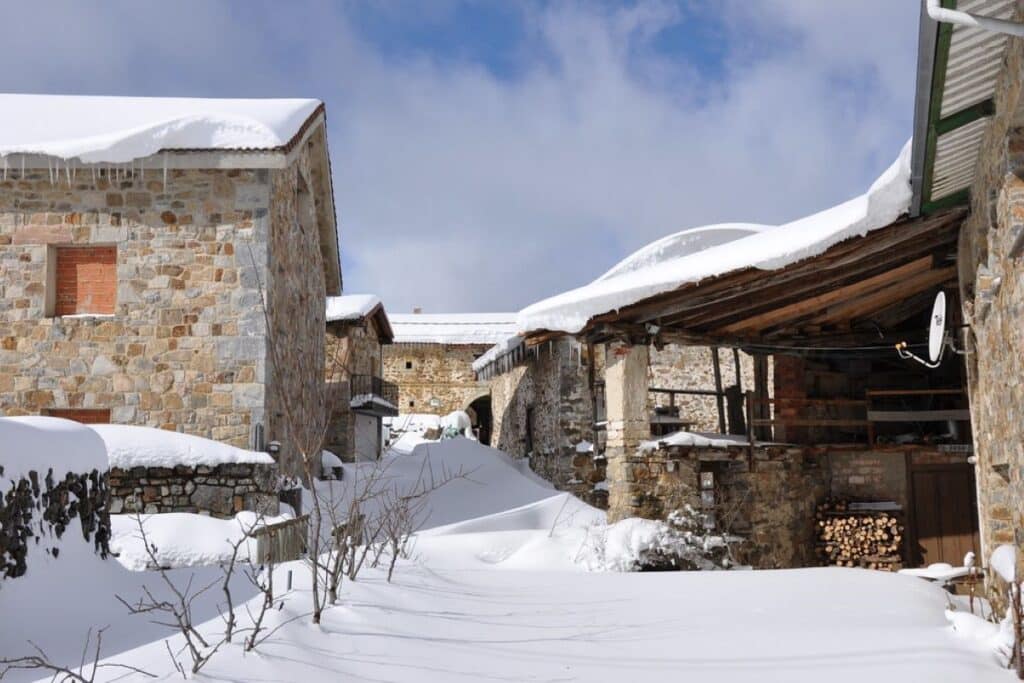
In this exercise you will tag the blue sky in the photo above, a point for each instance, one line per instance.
(490, 153)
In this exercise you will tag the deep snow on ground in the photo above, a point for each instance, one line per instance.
(497, 587)
(480, 625)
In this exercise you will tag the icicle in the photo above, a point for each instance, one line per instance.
(49, 168)
(93, 175)
(22, 166)
(5, 168)
(67, 171)
(165, 171)
(142, 166)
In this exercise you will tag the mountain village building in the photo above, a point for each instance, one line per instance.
(358, 398)
(165, 262)
(431, 361)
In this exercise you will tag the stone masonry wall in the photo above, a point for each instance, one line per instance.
(219, 491)
(691, 367)
(296, 303)
(991, 264)
(770, 502)
(549, 396)
(434, 371)
(184, 347)
(556, 385)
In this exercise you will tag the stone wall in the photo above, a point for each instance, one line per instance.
(691, 367)
(553, 386)
(296, 307)
(184, 347)
(991, 264)
(770, 501)
(219, 491)
(434, 378)
(543, 409)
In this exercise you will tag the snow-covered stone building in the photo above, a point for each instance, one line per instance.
(358, 397)
(431, 361)
(139, 238)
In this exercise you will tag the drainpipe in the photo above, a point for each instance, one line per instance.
(952, 16)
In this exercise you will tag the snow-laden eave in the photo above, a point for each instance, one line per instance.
(153, 145)
(572, 312)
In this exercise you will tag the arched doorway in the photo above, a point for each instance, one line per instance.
(480, 413)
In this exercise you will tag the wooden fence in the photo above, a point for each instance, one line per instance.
(281, 541)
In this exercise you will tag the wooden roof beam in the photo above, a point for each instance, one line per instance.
(884, 298)
(822, 301)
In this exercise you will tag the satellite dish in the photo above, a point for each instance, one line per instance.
(937, 339)
(937, 330)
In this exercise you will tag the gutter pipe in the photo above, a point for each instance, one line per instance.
(952, 16)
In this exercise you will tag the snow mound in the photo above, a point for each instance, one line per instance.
(121, 129)
(41, 443)
(184, 539)
(1004, 562)
(351, 306)
(886, 200)
(458, 422)
(694, 439)
(132, 446)
(683, 243)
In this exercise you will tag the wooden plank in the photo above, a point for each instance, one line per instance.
(808, 422)
(881, 298)
(820, 401)
(913, 392)
(821, 301)
(919, 415)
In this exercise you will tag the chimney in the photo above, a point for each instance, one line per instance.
(417, 310)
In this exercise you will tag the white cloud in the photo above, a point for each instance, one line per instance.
(461, 190)
(492, 193)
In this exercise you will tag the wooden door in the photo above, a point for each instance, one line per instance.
(945, 514)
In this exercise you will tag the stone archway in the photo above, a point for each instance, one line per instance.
(479, 411)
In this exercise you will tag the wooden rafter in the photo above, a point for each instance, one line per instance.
(824, 300)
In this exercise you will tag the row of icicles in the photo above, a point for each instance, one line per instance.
(115, 172)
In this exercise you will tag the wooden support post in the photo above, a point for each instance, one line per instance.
(720, 397)
(750, 430)
(736, 365)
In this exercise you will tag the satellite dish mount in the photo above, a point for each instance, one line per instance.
(938, 337)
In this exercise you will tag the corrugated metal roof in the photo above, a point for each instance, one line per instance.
(972, 66)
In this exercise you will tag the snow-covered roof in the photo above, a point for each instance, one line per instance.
(132, 446)
(355, 307)
(95, 129)
(453, 328)
(351, 306)
(658, 271)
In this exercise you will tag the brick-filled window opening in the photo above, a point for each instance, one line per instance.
(87, 416)
(83, 280)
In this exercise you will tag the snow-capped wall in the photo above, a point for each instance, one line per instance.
(53, 493)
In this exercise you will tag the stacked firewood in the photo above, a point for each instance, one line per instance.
(858, 538)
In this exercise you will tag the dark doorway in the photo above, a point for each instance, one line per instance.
(945, 514)
(480, 411)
